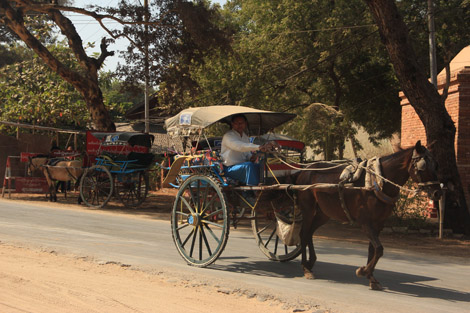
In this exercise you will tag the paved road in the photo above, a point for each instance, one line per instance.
(413, 282)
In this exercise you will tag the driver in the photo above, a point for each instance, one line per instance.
(236, 153)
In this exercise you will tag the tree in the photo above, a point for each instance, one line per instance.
(175, 21)
(188, 31)
(117, 96)
(86, 79)
(423, 96)
(32, 93)
(289, 54)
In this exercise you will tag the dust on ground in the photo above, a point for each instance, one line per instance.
(44, 281)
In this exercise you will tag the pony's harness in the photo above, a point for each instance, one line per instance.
(373, 181)
(52, 162)
(420, 162)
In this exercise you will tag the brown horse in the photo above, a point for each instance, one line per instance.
(56, 169)
(367, 207)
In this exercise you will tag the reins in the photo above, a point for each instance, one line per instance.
(304, 165)
(279, 156)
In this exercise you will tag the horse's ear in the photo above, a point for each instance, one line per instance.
(419, 148)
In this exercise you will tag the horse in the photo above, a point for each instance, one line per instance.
(367, 207)
(56, 169)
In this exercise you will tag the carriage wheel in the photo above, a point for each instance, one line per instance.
(264, 225)
(96, 186)
(132, 189)
(200, 221)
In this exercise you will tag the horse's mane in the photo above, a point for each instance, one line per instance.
(396, 155)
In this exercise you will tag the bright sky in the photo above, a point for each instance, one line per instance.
(91, 31)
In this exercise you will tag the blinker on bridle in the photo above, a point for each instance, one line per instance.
(420, 163)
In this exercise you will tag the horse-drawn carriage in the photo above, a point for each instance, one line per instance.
(114, 163)
(207, 202)
(290, 204)
(120, 167)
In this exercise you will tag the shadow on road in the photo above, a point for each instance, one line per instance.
(393, 282)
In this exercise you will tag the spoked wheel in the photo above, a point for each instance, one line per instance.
(132, 188)
(264, 225)
(96, 186)
(199, 220)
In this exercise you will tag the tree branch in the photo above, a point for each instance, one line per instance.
(15, 22)
(104, 52)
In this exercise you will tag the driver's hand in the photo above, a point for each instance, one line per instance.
(269, 146)
(264, 148)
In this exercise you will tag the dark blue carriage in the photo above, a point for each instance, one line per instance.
(121, 162)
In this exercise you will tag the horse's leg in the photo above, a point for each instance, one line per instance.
(308, 206)
(317, 220)
(50, 182)
(76, 186)
(375, 253)
(307, 217)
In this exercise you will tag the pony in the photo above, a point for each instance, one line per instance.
(56, 169)
(367, 207)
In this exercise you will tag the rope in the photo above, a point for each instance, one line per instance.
(388, 180)
(401, 188)
(310, 169)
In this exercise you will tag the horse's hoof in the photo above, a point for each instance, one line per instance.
(309, 275)
(375, 286)
(360, 272)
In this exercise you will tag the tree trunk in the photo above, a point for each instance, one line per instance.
(86, 84)
(423, 96)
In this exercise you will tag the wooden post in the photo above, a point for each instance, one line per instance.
(442, 207)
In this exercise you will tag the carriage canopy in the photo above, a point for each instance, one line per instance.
(120, 138)
(259, 121)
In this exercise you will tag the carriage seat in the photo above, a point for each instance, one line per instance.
(139, 160)
(142, 159)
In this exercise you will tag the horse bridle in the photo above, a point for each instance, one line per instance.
(419, 163)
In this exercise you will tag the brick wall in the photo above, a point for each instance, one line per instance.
(458, 107)
(463, 135)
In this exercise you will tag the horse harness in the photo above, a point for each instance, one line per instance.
(373, 181)
(53, 162)
(420, 162)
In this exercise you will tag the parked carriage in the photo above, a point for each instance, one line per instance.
(121, 161)
(207, 202)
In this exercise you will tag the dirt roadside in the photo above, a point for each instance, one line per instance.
(33, 280)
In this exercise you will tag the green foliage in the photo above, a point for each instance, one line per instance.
(323, 128)
(31, 93)
(451, 18)
(117, 98)
(182, 32)
(289, 54)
